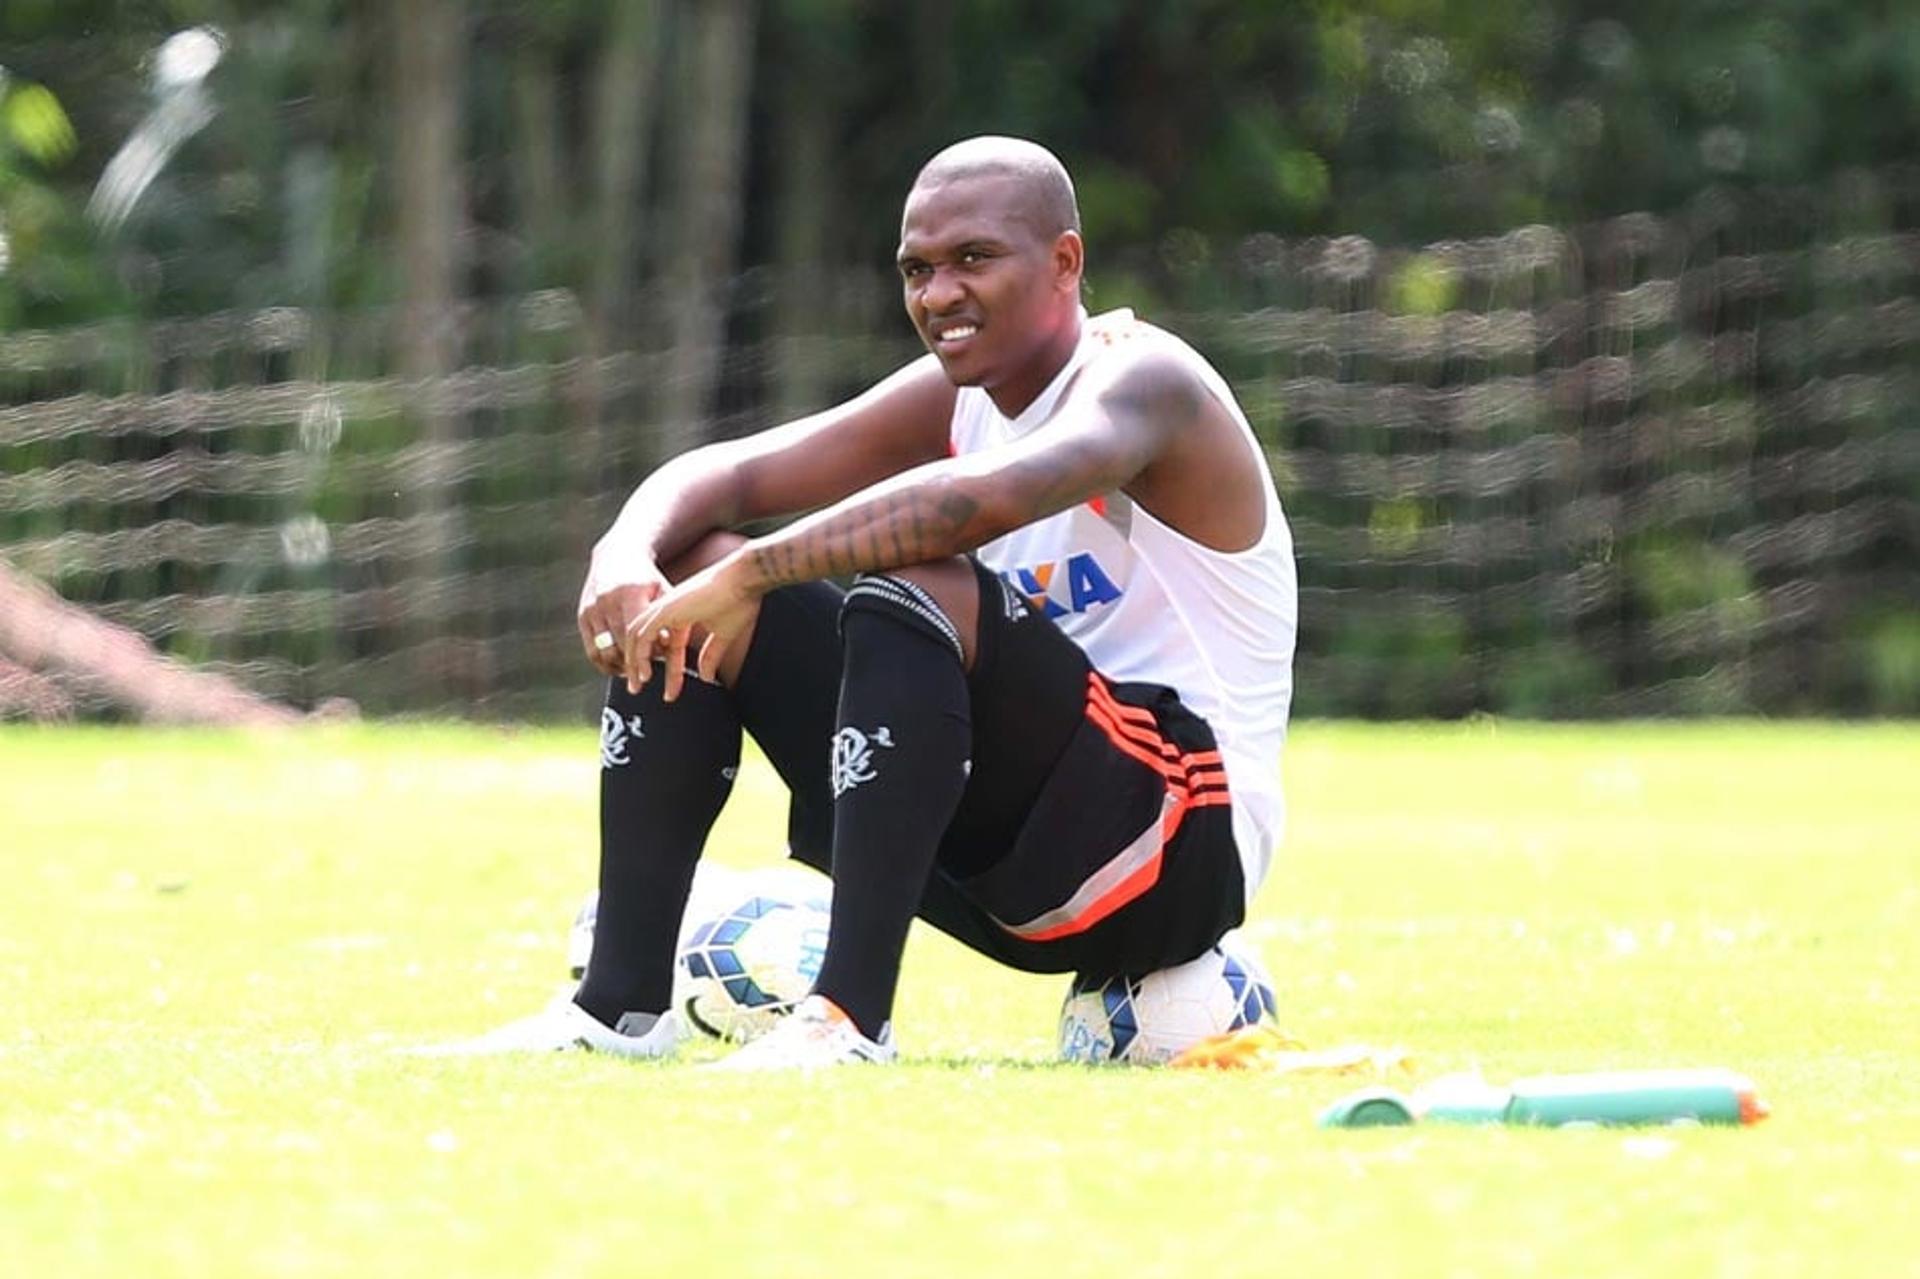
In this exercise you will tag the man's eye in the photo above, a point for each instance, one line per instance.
(915, 270)
(972, 257)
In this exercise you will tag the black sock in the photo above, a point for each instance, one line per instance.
(788, 696)
(665, 771)
(899, 765)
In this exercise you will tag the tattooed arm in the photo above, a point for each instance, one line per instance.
(1112, 431)
(899, 423)
(1108, 434)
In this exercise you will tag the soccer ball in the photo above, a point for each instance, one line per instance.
(1151, 1019)
(714, 886)
(749, 948)
(744, 967)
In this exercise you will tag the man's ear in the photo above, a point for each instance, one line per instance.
(1069, 261)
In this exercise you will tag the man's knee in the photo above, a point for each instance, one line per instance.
(705, 553)
(941, 597)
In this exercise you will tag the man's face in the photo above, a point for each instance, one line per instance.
(985, 290)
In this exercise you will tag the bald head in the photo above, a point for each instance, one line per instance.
(1036, 187)
(990, 266)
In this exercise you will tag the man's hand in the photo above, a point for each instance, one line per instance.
(718, 600)
(620, 585)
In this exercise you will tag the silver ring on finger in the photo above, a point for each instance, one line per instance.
(603, 640)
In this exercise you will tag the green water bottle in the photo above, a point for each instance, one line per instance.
(1621, 1098)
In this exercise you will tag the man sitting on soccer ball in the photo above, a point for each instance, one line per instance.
(1047, 714)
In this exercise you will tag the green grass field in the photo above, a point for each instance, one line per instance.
(211, 947)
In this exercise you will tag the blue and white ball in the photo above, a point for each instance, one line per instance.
(747, 965)
(715, 887)
(1150, 1019)
(749, 948)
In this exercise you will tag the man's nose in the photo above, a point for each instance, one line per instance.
(943, 291)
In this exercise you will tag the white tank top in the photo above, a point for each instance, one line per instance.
(1148, 603)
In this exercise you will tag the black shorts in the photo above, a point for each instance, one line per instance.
(1094, 834)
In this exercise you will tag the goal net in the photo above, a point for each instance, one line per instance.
(1652, 465)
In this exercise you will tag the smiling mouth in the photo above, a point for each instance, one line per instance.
(955, 334)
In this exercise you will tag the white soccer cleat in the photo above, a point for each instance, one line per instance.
(564, 1026)
(814, 1035)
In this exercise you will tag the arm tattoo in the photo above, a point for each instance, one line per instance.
(888, 530)
(932, 516)
(893, 527)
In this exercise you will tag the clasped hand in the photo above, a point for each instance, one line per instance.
(709, 611)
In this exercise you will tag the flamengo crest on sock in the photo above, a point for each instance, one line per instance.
(666, 769)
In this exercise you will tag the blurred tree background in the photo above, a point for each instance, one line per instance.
(1582, 336)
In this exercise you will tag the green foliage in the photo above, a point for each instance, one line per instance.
(1892, 652)
(1675, 577)
(32, 119)
(1403, 121)
(1551, 680)
(1117, 205)
(49, 267)
(1394, 525)
(1407, 666)
(1423, 285)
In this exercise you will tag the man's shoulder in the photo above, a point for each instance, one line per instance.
(1128, 351)
(1205, 452)
(1123, 331)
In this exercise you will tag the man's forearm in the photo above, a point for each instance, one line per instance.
(940, 509)
(680, 502)
(911, 520)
